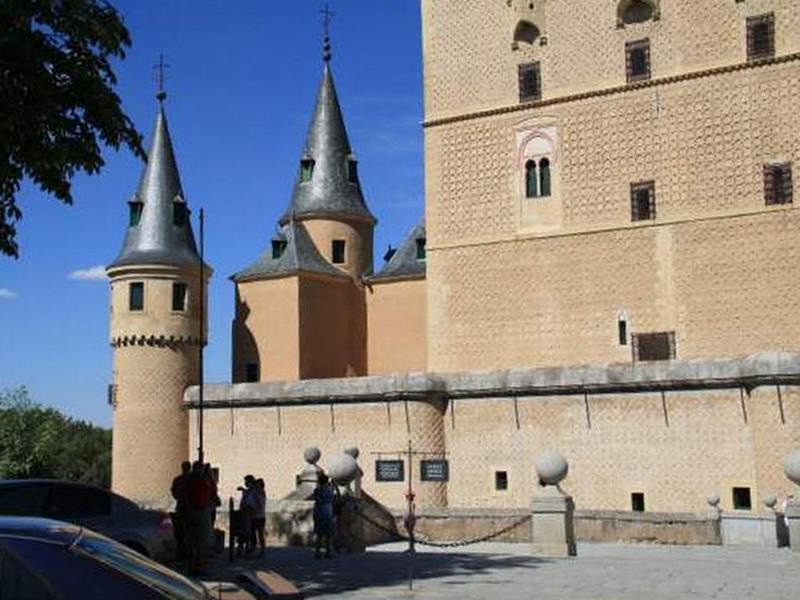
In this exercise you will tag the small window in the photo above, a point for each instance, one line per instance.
(653, 346)
(526, 32)
(180, 214)
(352, 170)
(500, 481)
(622, 332)
(638, 11)
(637, 61)
(778, 184)
(136, 296)
(252, 374)
(544, 177)
(278, 247)
(741, 498)
(421, 251)
(338, 252)
(530, 85)
(179, 296)
(637, 502)
(135, 213)
(68, 502)
(761, 37)
(306, 169)
(643, 201)
(531, 180)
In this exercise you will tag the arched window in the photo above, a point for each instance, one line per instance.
(531, 187)
(544, 178)
(526, 32)
(631, 12)
(306, 169)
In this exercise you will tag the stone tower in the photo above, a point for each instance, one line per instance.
(155, 329)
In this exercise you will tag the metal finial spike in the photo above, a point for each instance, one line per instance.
(327, 16)
(159, 68)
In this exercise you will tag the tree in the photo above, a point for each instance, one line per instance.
(57, 103)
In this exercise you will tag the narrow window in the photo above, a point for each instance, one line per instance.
(352, 170)
(278, 247)
(653, 346)
(306, 169)
(136, 296)
(761, 37)
(252, 374)
(526, 32)
(622, 332)
(637, 502)
(741, 498)
(778, 184)
(530, 85)
(531, 181)
(544, 177)
(421, 251)
(500, 480)
(135, 213)
(643, 201)
(179, 297)
(338, 252)
(637, 60)
(180, 214)
(638, 11)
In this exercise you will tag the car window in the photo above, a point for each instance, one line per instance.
(17, 582)
(134, 565)
(22, 500)
(74, 502)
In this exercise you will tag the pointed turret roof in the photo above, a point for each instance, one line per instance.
(405, 261)
(297, 253)
(155, 239)
(330, 191)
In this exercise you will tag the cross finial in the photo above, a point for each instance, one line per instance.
(159, 69)
(327, 16)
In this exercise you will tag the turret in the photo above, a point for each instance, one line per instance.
(156, 328)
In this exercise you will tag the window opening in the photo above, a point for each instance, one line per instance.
(500, 480)
(653, 346)
(136, 296)
(778, 184)
(352, 171)
(179, 296)
(643, 201)
(638, 11)
(526, 32)
(531, 181)
(544, 177)
(306, 169)
(278, 248)
(530, 86)
(637, 60)
(761, 37)
(741, 498)
(637, 502)
(135, 213)
(338, 252)
(252, 374)
(421, 249)
(622, 332)
(180, 214)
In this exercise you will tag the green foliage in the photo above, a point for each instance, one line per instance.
(41, 442)
(56, 98)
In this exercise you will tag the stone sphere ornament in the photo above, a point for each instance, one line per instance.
(352, 451)
(770, 500)
(551, 467)
(342, 469)
(312, 455)
(791, 466)
(713, 500)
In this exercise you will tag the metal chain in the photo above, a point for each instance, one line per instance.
(454, 544)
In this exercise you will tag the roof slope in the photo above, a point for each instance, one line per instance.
(404, 262)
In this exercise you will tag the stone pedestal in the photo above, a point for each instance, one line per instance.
(793, 519)
(552, 523)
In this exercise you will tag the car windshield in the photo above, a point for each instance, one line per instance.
(136, 566)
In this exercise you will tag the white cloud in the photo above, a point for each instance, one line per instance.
(97, 273)
(6, 294)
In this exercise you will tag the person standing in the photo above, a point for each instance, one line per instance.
(259, 504)
(323, 516)
(179, 487)
(198, 518)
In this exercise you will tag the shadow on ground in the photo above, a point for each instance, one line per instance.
(376, 569)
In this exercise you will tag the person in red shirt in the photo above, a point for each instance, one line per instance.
(199, 498)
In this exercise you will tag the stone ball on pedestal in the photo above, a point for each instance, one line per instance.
(551, 467)
(791, 466)
(312, 455)
(713, 500)
(352, 451)
(342, 469)
(770, 500)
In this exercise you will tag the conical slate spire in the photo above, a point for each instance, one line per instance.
(327, 184)
(161, 232)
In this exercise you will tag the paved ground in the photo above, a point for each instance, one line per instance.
(505, 572)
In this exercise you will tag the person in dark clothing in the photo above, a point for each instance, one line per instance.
(199, 500)
(323, 516)
(259, 507)
(179, 516)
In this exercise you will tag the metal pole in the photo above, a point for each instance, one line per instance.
(411, 519)
(200, 453)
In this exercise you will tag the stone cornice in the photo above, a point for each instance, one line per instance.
(124, 340)
(618, 89)
(767, 368)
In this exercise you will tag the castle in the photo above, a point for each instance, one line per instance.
(606, 267)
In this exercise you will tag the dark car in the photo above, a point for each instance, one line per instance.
(146, 531)
(42, 559)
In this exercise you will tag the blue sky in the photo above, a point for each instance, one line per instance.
(241, 87)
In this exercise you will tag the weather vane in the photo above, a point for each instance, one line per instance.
(327, 16)
(159, 69)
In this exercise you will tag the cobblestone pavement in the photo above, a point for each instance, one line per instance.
(506, 572)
